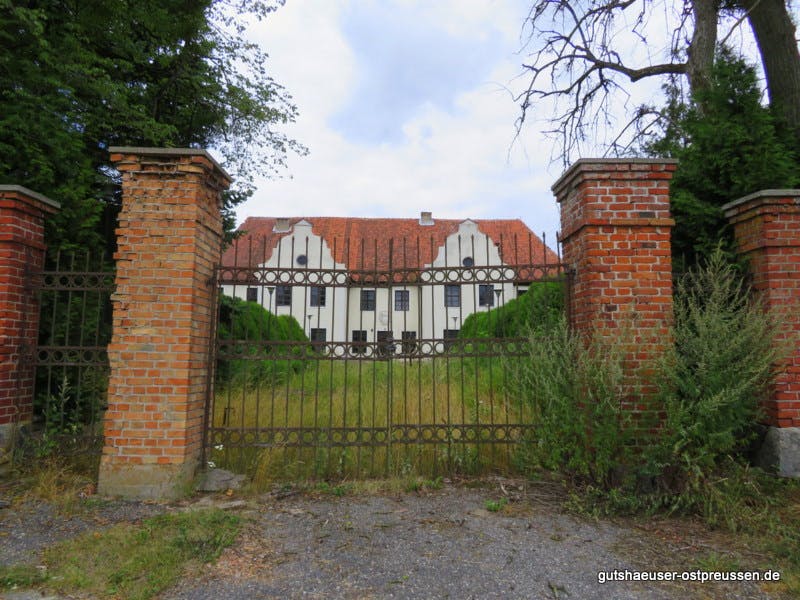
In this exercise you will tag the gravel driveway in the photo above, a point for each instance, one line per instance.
(439, 544)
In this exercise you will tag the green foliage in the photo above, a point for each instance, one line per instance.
(723, 362)
(495, 505)
(131, 561)
(20, 576)
(577, 394)
(540, 306)
(242, 322)
(728, 146)
(77, 78)
(711, 384)
(418, 484)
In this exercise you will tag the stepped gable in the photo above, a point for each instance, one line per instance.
(375, 243)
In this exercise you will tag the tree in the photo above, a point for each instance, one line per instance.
(583, 53)
(728, 149)
(77, 77)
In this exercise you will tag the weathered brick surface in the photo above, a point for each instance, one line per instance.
(767, 229)
(169, 236)
(615, 234)
(22, 214)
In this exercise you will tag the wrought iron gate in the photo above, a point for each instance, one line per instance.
(341, 393)
(71, 384)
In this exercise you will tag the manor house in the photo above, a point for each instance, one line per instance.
(361, 280)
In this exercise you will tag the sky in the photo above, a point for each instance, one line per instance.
(407, 106)
(404, 107)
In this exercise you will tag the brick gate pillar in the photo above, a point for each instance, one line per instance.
(767, 230)
(169, 237)
(22, 248)
(615, 235)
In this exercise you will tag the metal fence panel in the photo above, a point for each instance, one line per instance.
(372, 388)
(71, 360)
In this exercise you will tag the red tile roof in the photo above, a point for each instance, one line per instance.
(377, 243)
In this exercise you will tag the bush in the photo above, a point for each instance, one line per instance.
(541, 306)
(576, 391)
(711, 384)
(720, 369)
(248, 325)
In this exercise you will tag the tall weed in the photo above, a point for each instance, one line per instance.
(711, 383)
(720, 369)
(577, 393)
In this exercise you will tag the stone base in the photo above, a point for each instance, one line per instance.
(9, 434)
(7, 431)
(146, 482)
(12, 434)
(780, 451)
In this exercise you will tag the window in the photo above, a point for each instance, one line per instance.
(318, 334)
(452, 296)
(317, 295)
(486, 295)
(367, 299)
(252, 294)
(359, 341)
(283, 295)
(401, 299)
(409, 342)
(302, 260)
(468, 261)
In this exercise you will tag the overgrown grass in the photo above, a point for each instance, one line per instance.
(382, 397)
(129, 561)
(61, 480)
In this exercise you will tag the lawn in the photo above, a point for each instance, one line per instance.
(360, 418)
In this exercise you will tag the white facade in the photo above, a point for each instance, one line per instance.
(375, 313)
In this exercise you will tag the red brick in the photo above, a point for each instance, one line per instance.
(169, 228)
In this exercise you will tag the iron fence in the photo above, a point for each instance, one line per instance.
(413, 376)
(71, 383)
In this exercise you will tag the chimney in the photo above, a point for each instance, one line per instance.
(426, 218)
(281, 225)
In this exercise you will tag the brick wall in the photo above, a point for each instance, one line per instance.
(767, 230)
(615, 234)
(169, 237)
(22, 214)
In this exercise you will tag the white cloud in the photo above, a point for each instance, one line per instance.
(452, 160)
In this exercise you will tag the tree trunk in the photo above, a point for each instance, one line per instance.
(704, 42)
(775, 35)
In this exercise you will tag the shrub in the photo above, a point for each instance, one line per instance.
(721, 367)
(711, 384)
(242, 322)
(541, 306)
(576, 391)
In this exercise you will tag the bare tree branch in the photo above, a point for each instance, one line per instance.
(576, 61)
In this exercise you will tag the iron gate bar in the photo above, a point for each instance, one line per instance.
(283, 437)
(248, 275)
(260, 350)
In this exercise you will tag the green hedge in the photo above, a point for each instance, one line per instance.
(244, 322)
(540, 307)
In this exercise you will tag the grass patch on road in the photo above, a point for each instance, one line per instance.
(129, 561)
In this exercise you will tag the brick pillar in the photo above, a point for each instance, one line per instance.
(22, 214)
(169, 237)
(767, 230)
(615, 235)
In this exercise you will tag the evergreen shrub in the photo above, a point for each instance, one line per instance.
(711, 386)
(242, 322)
